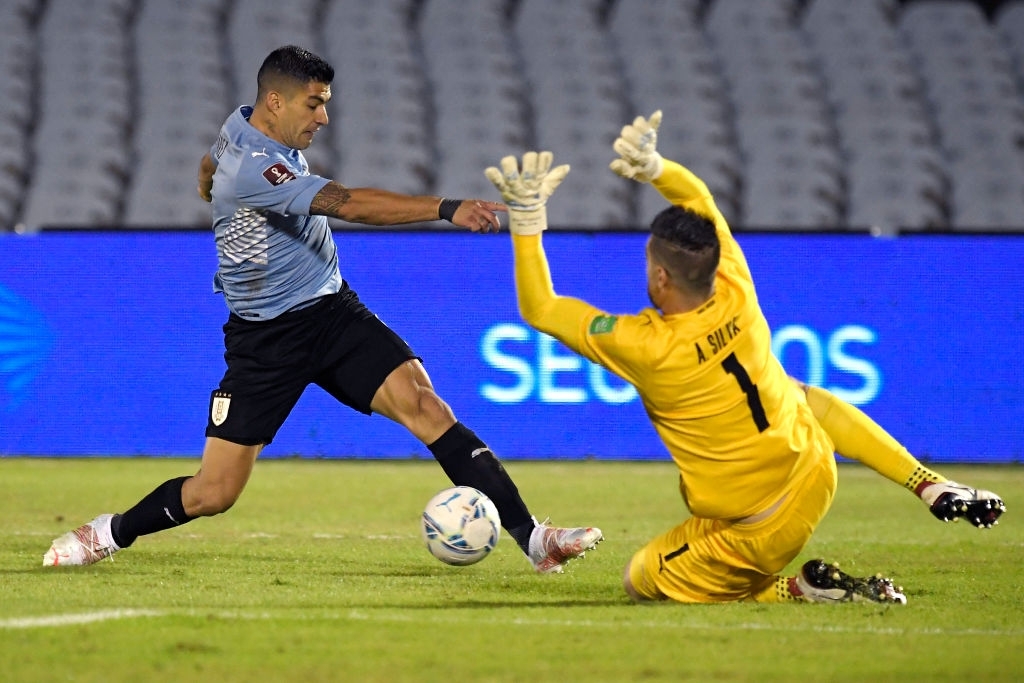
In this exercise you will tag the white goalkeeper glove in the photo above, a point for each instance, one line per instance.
(637, 148)
(527, 191)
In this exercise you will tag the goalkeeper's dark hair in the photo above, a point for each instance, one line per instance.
(686, 245)
(294, 65)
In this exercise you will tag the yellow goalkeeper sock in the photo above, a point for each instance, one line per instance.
(857, 436)
(780, 590)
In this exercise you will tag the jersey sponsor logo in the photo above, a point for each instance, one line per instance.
(260, 154)
(603, 324)
(219, 407)
(278, 174)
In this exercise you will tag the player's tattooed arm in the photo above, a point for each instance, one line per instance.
(373, 206)
(331, 200)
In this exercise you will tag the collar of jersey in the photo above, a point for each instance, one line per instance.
(254, 137)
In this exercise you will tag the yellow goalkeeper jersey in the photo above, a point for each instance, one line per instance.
(735, 424)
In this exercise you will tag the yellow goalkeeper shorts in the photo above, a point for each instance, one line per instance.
(704, 560)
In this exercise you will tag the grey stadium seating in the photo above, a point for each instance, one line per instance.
(180, 93)
(16, 85)
(380, 99)
(799, 114)
(894, 174)
(482, 114)
(679, 74)
(976, 103)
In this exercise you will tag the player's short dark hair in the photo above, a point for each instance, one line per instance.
(686, 244)
(292, 64)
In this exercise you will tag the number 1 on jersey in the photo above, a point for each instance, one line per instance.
(732, 365)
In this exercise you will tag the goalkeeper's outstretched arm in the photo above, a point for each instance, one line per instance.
(526, 190)
(639, 160)
(564, 318)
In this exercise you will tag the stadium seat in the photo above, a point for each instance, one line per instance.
(669, 65)
(481, 116)
(844, 16)
(741, 17)
(183, 97)
(379, 132)
(780, 113)
(886, 137)
(1009, 23)
(977, 105)
(81, 139)
(256, 27)
(17, 55)
(849, 107)
(989, 200)
(579, 103)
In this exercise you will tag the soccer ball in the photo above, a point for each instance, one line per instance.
(460, 526)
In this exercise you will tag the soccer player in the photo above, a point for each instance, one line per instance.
(755, 449)
(294, 321)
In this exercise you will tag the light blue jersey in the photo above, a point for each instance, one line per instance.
(273, 256)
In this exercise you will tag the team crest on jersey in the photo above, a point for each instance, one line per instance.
(219, 407)
(278, 174)
(603, 324)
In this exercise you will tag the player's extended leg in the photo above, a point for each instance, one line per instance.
(407, 397)
(222, 475)
(857, 436)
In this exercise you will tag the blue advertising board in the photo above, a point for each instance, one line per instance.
(110, 342)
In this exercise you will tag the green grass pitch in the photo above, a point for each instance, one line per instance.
(319, 574)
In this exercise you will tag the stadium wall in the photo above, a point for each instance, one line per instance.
(110, 342)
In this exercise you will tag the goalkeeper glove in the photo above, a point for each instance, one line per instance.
(636, 146)
(526, 192)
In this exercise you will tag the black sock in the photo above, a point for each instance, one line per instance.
(161, 509)
(522, 534)
(469, 462)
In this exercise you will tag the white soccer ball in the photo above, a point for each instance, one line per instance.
(460, 526)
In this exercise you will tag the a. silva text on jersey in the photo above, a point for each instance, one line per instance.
(530, 365)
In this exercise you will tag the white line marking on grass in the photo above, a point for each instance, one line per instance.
(387, 537)
(696, 626)
(371, 537)
(400, 616)
(73, 619)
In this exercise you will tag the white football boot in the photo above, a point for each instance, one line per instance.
(551, 547)
(87, 544)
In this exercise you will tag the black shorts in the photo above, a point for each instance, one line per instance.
(336, 343)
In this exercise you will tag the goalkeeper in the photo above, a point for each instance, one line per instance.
(754, 448)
